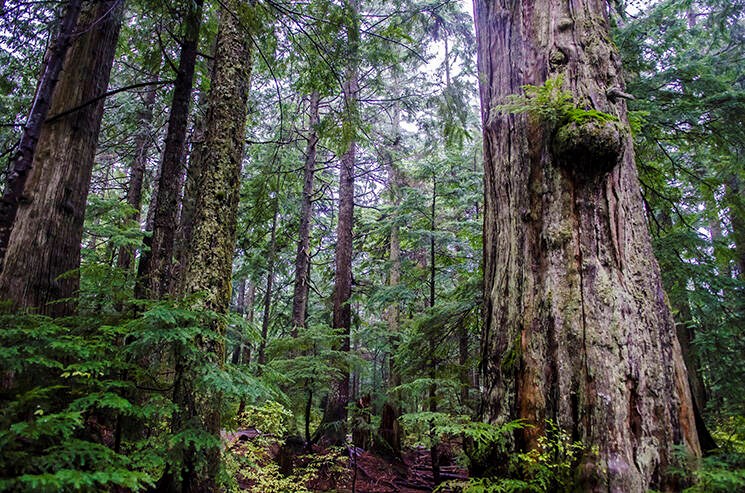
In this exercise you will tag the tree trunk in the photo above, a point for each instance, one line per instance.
(389, 432)
(192, 188)
(22, 162)
(577, 326)
(736, 203)
(45, 241)
(333, 425)
(433, 451)
(302, 259)
(235, 358)
(272, 254)
(212, 245)
(143, 140)
(465, 379)
(155, 270)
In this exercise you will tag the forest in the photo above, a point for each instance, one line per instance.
(372, 246)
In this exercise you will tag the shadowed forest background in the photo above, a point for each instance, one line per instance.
(372, 246)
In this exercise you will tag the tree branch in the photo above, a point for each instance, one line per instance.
(56, 117)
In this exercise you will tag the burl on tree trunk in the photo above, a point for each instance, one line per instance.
(577, 329)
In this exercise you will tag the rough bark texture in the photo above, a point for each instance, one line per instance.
(577, 325)
(154, 276)
(208, 271)
(302, 258)
(23, 160)
(143, 141)
(333, 425)
(45, 241)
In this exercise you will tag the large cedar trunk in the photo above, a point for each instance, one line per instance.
(333, 426)
(212, 244)
(577, 326)
(23, 160)
(155, 271)
(45, 240)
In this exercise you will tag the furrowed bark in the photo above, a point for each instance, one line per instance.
(45, 241)
(577, 329)
(22, 163)
(334, 423)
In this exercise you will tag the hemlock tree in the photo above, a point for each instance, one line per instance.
(333, 425)
(45, 240)
(208, 271)
(577, 326)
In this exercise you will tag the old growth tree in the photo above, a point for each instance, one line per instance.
(577, 329)
(44, 242)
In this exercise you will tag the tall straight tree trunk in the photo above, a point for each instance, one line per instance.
(333, 425)
(395, 183)
(143, 141)
(154, 276)
(735, 200)
(389, 432)
(235, 358)
(269, 286)
(302, 259)
(577, 326)
(45, 240)
(208, 271)
(192, 188)
(464, 376)
(433, 451)
(22, 162)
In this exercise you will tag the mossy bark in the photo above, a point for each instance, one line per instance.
(577, 326)
(45, 240)
(22, 161)
(209, 267)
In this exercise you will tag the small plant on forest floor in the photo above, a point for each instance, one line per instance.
(722, 472)
(253, 464)
(547, 468)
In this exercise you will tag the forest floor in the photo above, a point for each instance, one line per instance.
(361, 471)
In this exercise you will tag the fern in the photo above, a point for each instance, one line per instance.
(552, 104)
